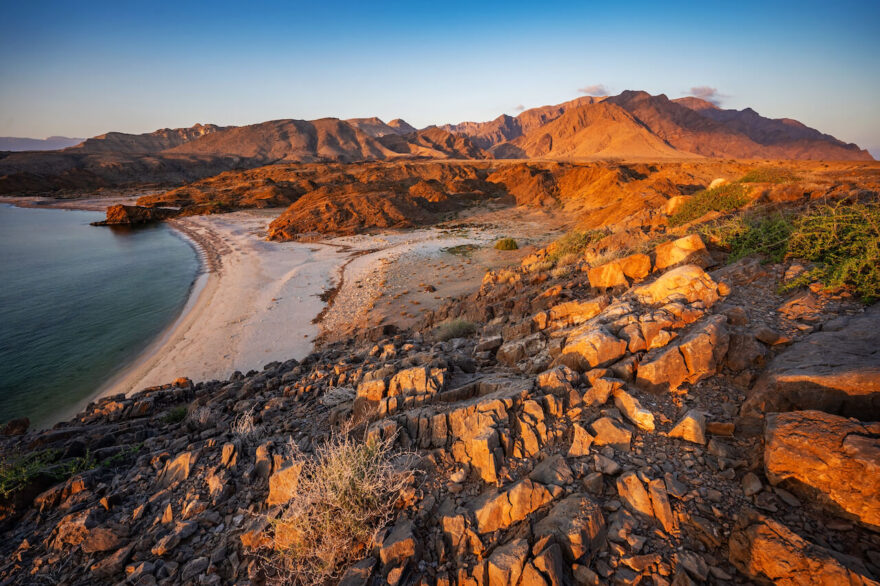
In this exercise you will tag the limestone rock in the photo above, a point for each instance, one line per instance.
(689, 249)
(691, 427)
(283, 484)
(499, 509)
(633, 494)
(577, 524)
(836, 371)
(828, 456)
(608, 432)
(633, 410)
(507, 561)
(592, 348)
(688, 283)
(765, 549)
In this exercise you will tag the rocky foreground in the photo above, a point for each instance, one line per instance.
(656, 419)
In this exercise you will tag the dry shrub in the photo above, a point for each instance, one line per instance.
(244, 426)
(346, 494)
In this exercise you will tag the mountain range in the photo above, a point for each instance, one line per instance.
(633, 125)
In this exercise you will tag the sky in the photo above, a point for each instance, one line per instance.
(84, 68)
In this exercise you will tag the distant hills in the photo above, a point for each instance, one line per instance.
(633, 125)
(53, 143)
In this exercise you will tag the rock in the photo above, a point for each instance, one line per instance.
(101, 539)
(608, 432)
(507, 561)
(751, 484)
(495, 510)
(615, 273)
(691, 427)
(836, 372)
(517, 350)
(550, 564)
(580, 442)
(661, 506)
(553, 470)
(767, 550)
(177, 470)
(744, 352)
(16, 426)
(130, 215)
(283, 484)
(688, 283)
(577, 524)
(697, 356)
(418, 380)
(687, 250)
(359, 573)
(400, 545)
(113, 564)
(821, 455)
(633, 494)
(633, 410)
(571, 313)
(592, 348)
(193, 568)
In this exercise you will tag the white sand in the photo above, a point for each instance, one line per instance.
(256, 308)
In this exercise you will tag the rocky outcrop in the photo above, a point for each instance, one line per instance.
(829, 457)
(766, 550)
(133, 215)
(832, 371)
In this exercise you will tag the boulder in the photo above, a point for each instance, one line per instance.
(581, 441)
(609, 432)
(399, 545)
(592, 348)
(829, 457)
(688, 283)
(687, 250)
(418, 380)
(553, 470)
(495, 509)
(633, 410)
(283, 484)
(691, 427)
(633, 494)
(577, 524)
(835, 371)
(16, 427)
(617, 272)
(768, 551)
(696, 356)
(576, 312)
(177, 470)
(131, 215)
(507, 561)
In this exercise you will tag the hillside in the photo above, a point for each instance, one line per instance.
(631, 125)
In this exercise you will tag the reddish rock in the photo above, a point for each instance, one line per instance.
(687, 250)
(829, 457)
(131, 215)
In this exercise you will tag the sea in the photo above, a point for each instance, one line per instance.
(79, 303)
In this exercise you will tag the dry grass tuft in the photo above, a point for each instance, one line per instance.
(346, 494)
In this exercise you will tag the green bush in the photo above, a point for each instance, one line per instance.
(15, 474)
(175, 415)
(575, 242)
(843, 240)
(769, 175)
(723, 198)
(455, 328)
(506, 244)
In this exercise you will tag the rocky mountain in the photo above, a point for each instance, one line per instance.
(53, 143)
(632, 125)
(153, 142)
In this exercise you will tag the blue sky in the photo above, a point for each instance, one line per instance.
(83, 68)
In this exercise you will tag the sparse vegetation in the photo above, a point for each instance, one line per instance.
(17, 473)
(842, 239)
(506, 244)
(769, 175)
(723, 198)
(175, 415)
(574, 242)
(455, 328)
(462, 249)
(345, 495)
(244, 427)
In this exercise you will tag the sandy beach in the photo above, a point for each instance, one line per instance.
(257, 301)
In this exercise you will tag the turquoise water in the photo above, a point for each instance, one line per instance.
(78, 303)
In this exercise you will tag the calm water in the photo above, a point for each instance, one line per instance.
(78, 303)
